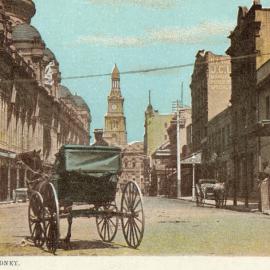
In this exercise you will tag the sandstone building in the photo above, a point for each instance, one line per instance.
(36, 111)
(133, 165)
(115, 121)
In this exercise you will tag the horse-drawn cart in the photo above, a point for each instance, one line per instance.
(211, 189)
(88, 176)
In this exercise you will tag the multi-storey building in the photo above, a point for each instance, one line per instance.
(210, 91)
(217, 152)
(165, 157)
(36, 111)
(115, 132)
(155, 129)
(249, 50)
(133, 165)
(263, 116)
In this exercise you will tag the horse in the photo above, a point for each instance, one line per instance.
(32, 163)
(38, 181)
(220, 194)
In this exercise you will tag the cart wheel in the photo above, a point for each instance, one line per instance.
(133, 215)
(52, 236)
(51, 206)
(199, 200)
(107, 223)
(36, 219)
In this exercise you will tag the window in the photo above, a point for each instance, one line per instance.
(267, 107)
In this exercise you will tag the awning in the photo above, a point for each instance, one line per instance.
(7, 154)
(196, 158)
(163, 151)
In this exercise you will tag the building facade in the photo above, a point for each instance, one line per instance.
(217, 153)
(133, 165)
(263, 116)
(115, 132)
(249, 50)
(36, 111)
(155, 129)
(164, 158)
(210, 92)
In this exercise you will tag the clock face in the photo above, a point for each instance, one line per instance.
(114, 107)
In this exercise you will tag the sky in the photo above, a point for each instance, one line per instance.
(90, 36)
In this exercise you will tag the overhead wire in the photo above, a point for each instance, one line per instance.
(155, 69)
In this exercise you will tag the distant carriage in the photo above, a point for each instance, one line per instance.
(85, 175)
(211, 189)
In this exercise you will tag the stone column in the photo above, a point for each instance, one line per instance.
(193, 182)
(158, 186)
(9, 182)
(17, 176)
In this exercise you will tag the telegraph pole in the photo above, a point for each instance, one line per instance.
(179, 124)
(179, 195)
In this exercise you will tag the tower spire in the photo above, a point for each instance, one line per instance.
(115, 77)
(149, 107)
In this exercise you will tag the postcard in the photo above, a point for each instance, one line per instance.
(134, 134)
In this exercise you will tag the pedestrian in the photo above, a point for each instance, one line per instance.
(262, 176)
(99, 141)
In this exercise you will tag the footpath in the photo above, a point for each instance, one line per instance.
(253, 206)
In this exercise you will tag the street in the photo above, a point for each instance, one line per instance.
(173, 227)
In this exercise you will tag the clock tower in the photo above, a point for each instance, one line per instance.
(115, 121)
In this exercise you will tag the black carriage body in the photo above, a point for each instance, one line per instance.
(87, 174)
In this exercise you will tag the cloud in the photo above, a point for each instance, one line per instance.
(112, 41)
(191, 35)
(171, 35)
(161, 4)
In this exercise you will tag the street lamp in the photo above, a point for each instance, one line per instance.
(193, 178)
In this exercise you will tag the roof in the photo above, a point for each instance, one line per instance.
(25, 32)
(49, 54)
(89, 148)
(80, 102)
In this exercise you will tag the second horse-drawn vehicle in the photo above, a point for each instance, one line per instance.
(85, 176)
(211, 189)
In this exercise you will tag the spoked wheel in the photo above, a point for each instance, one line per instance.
(36, 219)
(51, 206)
(133, 215)
(199, 200)
(52, 236)
(107, 222)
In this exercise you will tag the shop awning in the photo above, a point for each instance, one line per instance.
(196, 158)
(7, 154)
